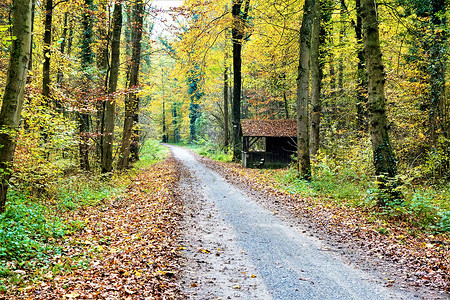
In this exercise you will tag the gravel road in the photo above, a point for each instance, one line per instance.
(235, 249)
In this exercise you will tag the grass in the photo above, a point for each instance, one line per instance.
(151, 152)
(207, 149)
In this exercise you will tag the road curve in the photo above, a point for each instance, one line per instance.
(254, 255)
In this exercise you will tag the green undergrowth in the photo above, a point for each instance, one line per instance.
(207, 149)
(151, 152)
(33, 224)
(424, 207)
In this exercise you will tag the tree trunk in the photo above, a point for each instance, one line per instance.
(286, 105)
(14, 90)
(132, 104)
(164, 137)
(86, 61)
(383, 155)
(103, 67)
(225, 104)
(47, 52)
(62, 48)
(237, 35)
(361, 98)
(341, 46)
(176, 138)
(316, 82)
(30, 63)
(110, 104)
(304, 164)
(436, 70)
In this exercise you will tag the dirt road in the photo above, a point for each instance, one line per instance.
(237, 249)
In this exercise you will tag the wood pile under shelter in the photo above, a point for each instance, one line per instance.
(268, 143)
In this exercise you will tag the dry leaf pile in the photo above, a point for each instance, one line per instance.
(127, 250)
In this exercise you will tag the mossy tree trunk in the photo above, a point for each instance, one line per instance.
(316, 81)
(304, 163)
(237, 35)
(13, 95)
(110, 104)
(361, 75)
(132, 102)
(383, 155)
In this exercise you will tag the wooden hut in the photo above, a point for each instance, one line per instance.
(268, 143)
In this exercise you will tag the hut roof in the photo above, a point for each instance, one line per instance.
(269, 128)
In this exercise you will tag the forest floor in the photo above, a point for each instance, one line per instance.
(164, 238)
(127, 249)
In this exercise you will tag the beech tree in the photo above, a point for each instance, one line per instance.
(383, 155)
(132, 101)
(110, 104)
(316, 81)
(238, 30)
(13, 95)
(47, 53)
(304, 162)
(87, 59)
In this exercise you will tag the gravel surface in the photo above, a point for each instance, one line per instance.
(237, 249)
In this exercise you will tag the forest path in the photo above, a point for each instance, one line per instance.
(237, 249)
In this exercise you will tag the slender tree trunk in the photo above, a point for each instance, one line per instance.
(86, 61)
(110, 104)
(361, 98)
(62, 48)
(304, 163)
(341, 46)
(286, 105)
(30, 63)
(383, 155)
(132, 104)
(70, 37)
(175, 123)
(103, 67)
(237, 35)
(316, 82)
(135, 143)
(13, 95)
(436, 70)
(164, 138)
(225, 103)
(47, 52)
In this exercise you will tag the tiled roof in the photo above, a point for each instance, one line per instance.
(269, 128)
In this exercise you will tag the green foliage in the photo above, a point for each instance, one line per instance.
(26, 227)
(208, 149)
(435, 166)
(335, 184)
(295, 185)
(333, 179)
(5, 38)
(151, 152)
(346, 184)
(45, 149)
(444, 221)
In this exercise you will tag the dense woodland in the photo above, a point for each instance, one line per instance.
(86, 84)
